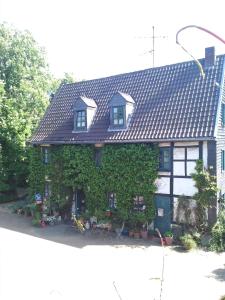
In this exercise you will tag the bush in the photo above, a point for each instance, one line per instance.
(188, 242)
(217, 242)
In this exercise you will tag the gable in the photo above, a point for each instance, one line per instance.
(171, 102)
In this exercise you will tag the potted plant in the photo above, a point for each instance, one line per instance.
(168, 238)
(144, 231)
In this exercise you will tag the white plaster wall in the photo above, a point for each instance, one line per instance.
(129, 110)
(193, 153)
(90, 116)
(184, 186)
(205, 154)
(179, 168)
(163, 185)
(186, 144)
(178, 153)
(164, 173)
(164, 144)
(190, 167)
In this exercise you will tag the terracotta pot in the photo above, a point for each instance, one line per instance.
(168, 240)
(131, 233)
(144, 234)
(137, 235)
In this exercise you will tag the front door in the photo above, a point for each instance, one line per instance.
(80, 202)
(163, 213)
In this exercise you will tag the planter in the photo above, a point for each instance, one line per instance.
(144, 234)
(137, 235)
(94, 225)
(108, 213)
(168, 240)
(131, 233)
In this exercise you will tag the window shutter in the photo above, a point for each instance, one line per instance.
(223, 114)
(222, 160)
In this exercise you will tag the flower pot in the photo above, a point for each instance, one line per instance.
(108, 213)
(144, 234)
(168, 240)
(137, 235)
(131, 233)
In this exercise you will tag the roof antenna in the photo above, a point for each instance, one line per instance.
(153, 37)
(195, 59)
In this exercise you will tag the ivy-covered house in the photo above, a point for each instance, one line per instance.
(172, 108)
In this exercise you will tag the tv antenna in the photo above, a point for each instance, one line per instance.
(153, 37)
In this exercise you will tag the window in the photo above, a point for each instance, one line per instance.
(98, 157)
(139, 204)
(118, 115)
(47, 190)
(81, 120)
(45, 153)
(112, 200)
(164, 159)
(222, 160)
(223, 114)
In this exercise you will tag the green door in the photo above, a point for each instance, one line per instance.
(163, 213)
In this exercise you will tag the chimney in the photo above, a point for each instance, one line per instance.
(210, 57)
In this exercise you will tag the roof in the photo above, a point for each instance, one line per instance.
(127, 97)
(171, 103)
(89, 102)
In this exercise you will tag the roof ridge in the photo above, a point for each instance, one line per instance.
(138, 71)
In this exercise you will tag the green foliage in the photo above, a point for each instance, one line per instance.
(217, 242)
(127, 170)
(188, 242)
(24, 89)
(168, 233)
(131, 170)
(37, 171)
(207, 189)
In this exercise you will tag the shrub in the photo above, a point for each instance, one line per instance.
(217, 242)
(188, 242)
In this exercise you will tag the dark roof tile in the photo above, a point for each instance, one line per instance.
(171, 102)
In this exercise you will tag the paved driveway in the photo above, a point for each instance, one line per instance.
(57, 263)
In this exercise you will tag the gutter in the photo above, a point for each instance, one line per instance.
(122, 141)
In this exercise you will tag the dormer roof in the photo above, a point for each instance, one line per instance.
(122, 97)
(84, 102)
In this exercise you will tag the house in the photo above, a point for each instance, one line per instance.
(172, 106)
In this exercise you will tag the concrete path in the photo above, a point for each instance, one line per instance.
(57, 263)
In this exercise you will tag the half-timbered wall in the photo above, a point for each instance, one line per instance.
(178, 180)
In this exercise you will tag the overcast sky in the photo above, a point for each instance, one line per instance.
(97, 38)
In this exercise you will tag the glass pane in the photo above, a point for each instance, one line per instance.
(115, 109)
(115, 122)
(83, 124)
(78, 124)
(120, 121)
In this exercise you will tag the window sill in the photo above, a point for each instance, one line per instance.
(79, 131)
(117, 128)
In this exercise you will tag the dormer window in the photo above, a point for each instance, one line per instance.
(118, 115)
(121, 107)
(81, 120)
(84, 112)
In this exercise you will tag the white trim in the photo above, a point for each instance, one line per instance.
(221, 86)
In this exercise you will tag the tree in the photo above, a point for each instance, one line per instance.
(25, 83)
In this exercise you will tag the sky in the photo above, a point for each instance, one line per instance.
(98, 38)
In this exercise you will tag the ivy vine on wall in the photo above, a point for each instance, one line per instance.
(128, 170)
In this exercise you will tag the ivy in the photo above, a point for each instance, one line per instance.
(126, 170)
(37, 172)
(207, 189)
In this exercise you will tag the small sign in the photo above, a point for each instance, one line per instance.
(38, 198)
(160, 212)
